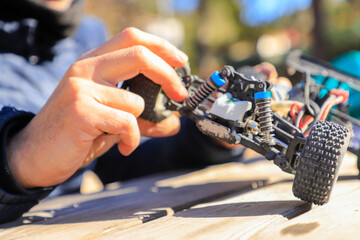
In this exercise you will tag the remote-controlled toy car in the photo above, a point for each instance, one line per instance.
(241, 113)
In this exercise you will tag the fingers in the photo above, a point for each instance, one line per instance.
(132, 52)
(283, 81)
(268, 69)
(132, 37)
(119, 123)
(167, 127)
(118, 98)
(111, 110)
(127, 63)
(128, 54)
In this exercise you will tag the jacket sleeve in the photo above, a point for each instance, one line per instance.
(14, 200)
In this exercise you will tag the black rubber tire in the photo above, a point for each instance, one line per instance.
(319, 163)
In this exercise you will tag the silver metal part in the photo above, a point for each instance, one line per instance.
(252, 127)
(265, 114)
(204, 91)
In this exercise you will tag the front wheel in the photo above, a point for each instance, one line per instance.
(319, 163)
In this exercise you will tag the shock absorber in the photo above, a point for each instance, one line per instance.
(205, 90)
(264, 113)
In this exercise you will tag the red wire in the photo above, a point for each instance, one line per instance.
(342, 97)
(339, 99)
(292, 111)
(306, 122)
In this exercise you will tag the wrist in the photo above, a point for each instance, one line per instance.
(12, 122)
(16, 159)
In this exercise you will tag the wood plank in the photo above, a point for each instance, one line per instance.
(231, 218)
(89, 216)
(244, 216)
(110, 212)
(239, 217)
(339, 219)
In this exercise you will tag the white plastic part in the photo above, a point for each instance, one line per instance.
(230, 108)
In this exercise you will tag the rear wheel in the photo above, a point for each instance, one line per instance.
(319, 163)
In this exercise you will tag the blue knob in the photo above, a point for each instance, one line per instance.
(219, 82)
(261, 95)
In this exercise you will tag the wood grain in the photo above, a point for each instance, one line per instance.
(244, 216)
(267, 213)
(232, 218)
(135, 202)
(229, 201)
(339, 219)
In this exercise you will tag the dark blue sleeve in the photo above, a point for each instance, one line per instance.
(14, 200)
(189, 149)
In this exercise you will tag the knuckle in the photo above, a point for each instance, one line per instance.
(130, 122)
(132, 100)
(163, 43)
(130, 33)
(73, 88)
(139, 105)
(79, 68)
(76, 95)
(140, 51)
(141, 55)
(74, 69)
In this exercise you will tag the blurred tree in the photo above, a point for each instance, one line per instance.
(219, 32)
(319, 30)
(218, 27)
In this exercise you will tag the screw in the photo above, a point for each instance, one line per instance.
(283, 164)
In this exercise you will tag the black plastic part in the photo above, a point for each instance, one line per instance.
(313, 66)
(153, 96)
(250, 72)
(294, 147)
(319, 163)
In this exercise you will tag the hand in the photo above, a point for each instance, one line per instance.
(87, 114)
(270, 71)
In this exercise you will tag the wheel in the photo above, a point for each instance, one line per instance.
(319, 163)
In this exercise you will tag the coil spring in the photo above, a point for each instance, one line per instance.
(204, 91)
(265, 119)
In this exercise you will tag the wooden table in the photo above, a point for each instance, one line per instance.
(231, 201)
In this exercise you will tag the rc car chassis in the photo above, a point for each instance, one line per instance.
(235, 107)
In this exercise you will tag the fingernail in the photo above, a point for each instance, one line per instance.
(183, 92)
(182, 56)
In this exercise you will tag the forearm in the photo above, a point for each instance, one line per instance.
(14, 199)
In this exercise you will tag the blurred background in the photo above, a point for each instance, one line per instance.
(239, 32)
